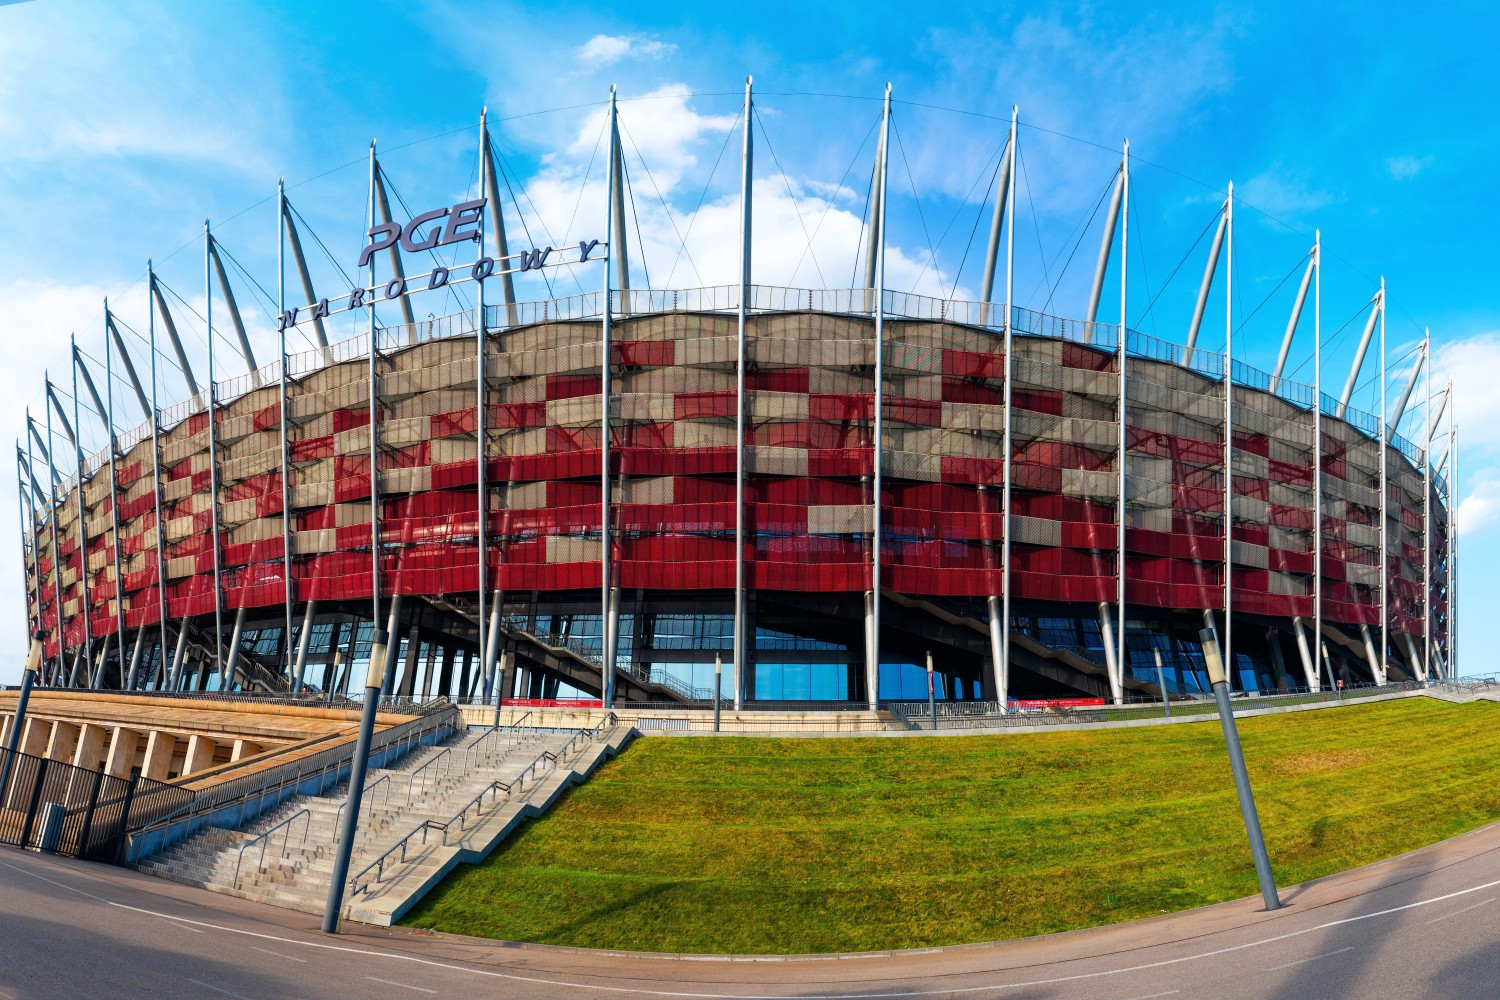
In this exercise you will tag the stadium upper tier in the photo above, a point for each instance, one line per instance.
(808, 500)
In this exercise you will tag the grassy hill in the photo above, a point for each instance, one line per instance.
(807, 845)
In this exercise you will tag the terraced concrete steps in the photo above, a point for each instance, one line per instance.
(291, 866)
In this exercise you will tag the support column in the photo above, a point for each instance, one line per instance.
(200, 754)
(1376, 670)
(243, 749)
(1226, 644)
(463, 677)
(36, 736)
(63, 742)
(232, 660)
(304, 641)
(1278, 665)
(123, 744)
(96, 680)
(491, 644)
(394, 647)
(135, 653)
(160, 747)
(1111, 659)
(1385, 489)
(174, 675)
(1000, 653)
(877, 430)
(90, 749)
(445, 681)
(409, 668)
(432, 652)
(1309, 667)
(615, 239)
(1418, 665)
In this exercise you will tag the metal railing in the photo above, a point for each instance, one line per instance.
(365, 800)
(325, 766)
(263, 840)
(411, 779)
(460, 818)
(916, 715)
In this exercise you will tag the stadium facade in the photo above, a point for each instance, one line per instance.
(692, 476)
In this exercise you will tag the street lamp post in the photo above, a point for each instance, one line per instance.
(374, 682)
(931, 693)
(1213, 660)
(718, 680)
(1161, 682)
(28, 675)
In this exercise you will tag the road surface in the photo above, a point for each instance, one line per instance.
(1426, 925)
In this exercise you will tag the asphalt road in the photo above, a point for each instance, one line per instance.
(1423, 925)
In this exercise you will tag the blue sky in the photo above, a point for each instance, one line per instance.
(122, 128)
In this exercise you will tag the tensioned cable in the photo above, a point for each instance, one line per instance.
(541, 221)
(1280, 222)
(582, 187)
(521, 217)
(1143, 255)
(1098, 203)
(1288, 277)
(270, 302)
(1160, 291)
(228, 344)
(912, 181)
(729, 134)
(326, 252)
(682, 241)
(1333, 340)
(1036, 223)
(1075, 230)
(461, 301)
(866, 220)
(145, 342)
(978, 217)
(792, 197)
(640, 239)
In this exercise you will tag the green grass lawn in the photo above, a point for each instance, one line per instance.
(811, 845)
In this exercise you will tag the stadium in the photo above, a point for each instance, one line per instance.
(646, 495)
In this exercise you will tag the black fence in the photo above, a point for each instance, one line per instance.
(98, 808)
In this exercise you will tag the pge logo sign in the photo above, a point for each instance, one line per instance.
(462, 226)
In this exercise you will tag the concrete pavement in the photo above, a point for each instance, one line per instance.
(1426, 924)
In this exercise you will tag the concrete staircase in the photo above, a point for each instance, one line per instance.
(285, 857)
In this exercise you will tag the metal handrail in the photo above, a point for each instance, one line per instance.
(364, 801)
(262, 840)
(379, 863)
(461, 817)
(411, 778)
(261, 784)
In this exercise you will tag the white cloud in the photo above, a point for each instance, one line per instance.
(1404, 168)
(106, 100)
(1471, 363)
(672, 136)
(604, 50)
(1480, 510)
(1279, 194)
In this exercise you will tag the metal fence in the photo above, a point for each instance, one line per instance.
(917, 715)
(98, 808)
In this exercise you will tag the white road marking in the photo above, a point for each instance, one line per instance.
(1153, 996)
(640, 991)
(210, 986)
(1313, 958)
(1466, 909)
(404, 986)
(266, 951)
